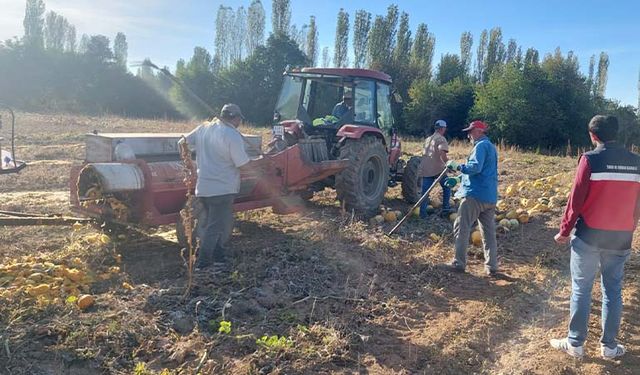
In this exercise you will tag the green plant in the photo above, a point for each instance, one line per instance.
(274, 342)
(225, 327)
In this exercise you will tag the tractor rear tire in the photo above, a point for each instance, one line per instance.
(199, 215)
(411, 183)
(362, 185)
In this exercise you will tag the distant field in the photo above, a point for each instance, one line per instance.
(341, 297)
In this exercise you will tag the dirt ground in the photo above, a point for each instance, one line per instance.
(332, 294)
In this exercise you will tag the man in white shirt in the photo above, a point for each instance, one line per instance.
(220, 153)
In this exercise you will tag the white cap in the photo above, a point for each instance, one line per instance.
(440, 124)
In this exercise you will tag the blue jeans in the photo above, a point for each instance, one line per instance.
(446, 195)
(584, 265)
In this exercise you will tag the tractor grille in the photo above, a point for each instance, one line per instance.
(314, 149)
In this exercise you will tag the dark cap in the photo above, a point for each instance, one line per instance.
(231, 111)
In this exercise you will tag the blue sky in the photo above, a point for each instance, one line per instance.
(166, 30)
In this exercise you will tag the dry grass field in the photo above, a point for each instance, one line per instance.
(310, 293)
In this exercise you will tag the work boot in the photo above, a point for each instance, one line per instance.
(608, 353)
(565, 346)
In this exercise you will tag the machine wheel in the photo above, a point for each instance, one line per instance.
(362, 185)
(411, 183)
(198, 213)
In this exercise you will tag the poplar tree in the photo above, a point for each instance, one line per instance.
(340, 49)
(422, 52)
(481, 56)
(326, 61)
(466, 42)
(70, 44)
(361, 27)
(34, 24)
(382, 39)
(280, 17)
(55, 31)
(84, 44)
(495, 53)
(255, 26)
(121, 49)
(512, 50)
(531, 58)
(590, 77)
(222, 52)
(403, 41)
(238, 35)
(603, 67)
(312, 41)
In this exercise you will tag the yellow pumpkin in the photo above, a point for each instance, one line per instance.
(390, 216)
(476, 238)
(85, 301)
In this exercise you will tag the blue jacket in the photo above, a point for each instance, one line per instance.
(480, 173)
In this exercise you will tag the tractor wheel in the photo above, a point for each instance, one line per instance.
(362, 185)
(411, 183)
(198, 213)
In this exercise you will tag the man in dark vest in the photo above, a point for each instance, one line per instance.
(603, 208)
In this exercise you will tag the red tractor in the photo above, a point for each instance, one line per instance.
(313, 111)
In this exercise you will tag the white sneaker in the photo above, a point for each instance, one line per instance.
(608, 353)
(563, 344)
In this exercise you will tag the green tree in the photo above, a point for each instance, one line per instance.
(224, 26)
(280, 16)
(429, 101)
(197, 75)
(70, 45)
(382, 39)
(254, 83)
(55, 31)
(590, 77)
(121, 49)
(361, 27)
(495, 53)
(422, 53)
(481, 56)
(84, 44)
(255, 26)
(326, 60)
(312, 42)
(98, 49)
(34, 24)
(238, 35)
(531, 58)
(403, 42)
(601, 78)
(341, 47)
(512, 51)
(466, 42)
(450, 68)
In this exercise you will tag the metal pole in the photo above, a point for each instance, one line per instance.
(419, 202)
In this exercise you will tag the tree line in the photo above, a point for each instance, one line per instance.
(530, 100)
(48, 69)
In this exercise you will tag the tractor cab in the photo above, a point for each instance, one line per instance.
(322, 101)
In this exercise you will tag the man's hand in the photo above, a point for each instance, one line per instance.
(560, 239)
(453, 165)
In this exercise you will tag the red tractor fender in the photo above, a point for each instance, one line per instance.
(358, 131)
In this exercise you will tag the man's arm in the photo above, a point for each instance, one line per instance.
(237, 152)
(191, 137)
(443, 149)
(578, 195)
(475, 162)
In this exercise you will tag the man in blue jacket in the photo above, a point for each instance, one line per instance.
(479, 194)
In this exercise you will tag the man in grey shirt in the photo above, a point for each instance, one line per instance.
(220, 153)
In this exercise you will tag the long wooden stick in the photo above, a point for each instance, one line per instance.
(25, 221)
(419, 202)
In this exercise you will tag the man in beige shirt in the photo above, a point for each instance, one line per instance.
(432, 164)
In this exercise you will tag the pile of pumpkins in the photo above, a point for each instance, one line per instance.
(44, 282)
(386, 215)
(526, 199)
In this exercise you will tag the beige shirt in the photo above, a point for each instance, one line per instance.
(432, 163)
(219, 153)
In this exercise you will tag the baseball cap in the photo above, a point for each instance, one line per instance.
(231, 110)
(440, 124)
(476, 125)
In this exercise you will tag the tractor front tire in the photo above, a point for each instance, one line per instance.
(411, 183)
(362, 185)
